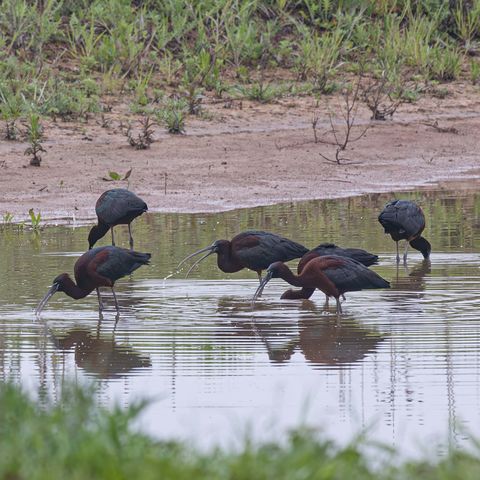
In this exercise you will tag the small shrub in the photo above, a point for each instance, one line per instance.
(144, 138)
(35, 135)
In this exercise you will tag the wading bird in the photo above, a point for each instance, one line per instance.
(331, 274)
(404, 220)
(98, 267)
(114, 207)
(252, 249)
(362, 256)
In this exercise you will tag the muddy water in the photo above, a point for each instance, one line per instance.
(402, 363)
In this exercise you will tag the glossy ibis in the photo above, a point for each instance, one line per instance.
(331, 274)
(118, 206)
(323, 249)
(252, 249)
(404, 220)
(98, 267)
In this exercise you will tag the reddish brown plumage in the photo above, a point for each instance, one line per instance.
(252, 249)
(331, 274)
(98, 267)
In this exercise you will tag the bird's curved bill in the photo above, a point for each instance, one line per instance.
(206, 249)
(197, 262)
(260, 288)
(46, 298)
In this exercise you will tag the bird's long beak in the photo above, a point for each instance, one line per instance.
(46, 298)
(198, 261)
(260, 288)
(206, 249)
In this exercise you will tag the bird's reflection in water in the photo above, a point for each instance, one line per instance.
(407, 288)
(100, 355)
(323, 339)
(326, 340)
(411, 279)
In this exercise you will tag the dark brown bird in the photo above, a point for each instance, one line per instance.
(362, 256)
(252, 249)
(118, 206)
(404, 220)
(331, 274)
(98, 267)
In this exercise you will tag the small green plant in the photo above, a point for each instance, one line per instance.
(467, 21)
(115, 176)
(7, 218)
(173, 114)
(259, 92)
(474, 71)
(34, 219)
(11, 108)
(35, 136)
(446, 64)
(174, 121)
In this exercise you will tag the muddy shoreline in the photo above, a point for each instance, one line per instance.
(245, 157)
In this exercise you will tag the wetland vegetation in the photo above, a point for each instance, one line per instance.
(76, 438)
(71, 59)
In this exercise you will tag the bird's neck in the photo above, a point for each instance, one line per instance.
(227, 262)
(96, 233)
(422, 245)
(287, 275)
(70, 288)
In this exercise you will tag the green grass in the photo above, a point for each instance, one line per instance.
(61, 57)
(79, 439)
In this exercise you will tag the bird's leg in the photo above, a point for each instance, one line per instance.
(405, 253)
(339, 306)
(113, 238)
(326, 304)
(343, 298)
(131, 238)
(116, 302)
(99, 324)
(259, 273)
(398, 254)
(117, 317)
(100, 303)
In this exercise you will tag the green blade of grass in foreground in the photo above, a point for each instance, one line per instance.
(79, 439)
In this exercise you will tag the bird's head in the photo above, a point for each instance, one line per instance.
(422, 245)
(96, 233)
(219, 246)
(273, 271)
(58, 285)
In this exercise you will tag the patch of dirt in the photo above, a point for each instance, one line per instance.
(244, 154)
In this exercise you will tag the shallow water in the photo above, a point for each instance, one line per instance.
(402, 363)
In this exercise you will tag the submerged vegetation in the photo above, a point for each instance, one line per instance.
(68, 59)
(80, 439)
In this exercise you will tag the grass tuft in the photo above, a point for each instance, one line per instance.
(80, 439)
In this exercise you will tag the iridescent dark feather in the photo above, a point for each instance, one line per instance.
(347, 274)
(402, 219)
(256, 250)
(108, 262)
(357, 254)
(119, 206)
